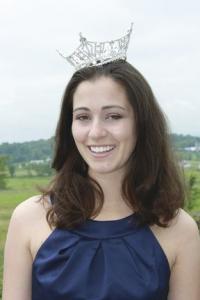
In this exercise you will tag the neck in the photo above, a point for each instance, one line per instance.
(114, 204)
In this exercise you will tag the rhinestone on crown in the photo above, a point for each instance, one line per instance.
(90, 54)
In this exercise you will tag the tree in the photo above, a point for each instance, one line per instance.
(42, 169)
(3, 165)
(191, 197)
(11, 169)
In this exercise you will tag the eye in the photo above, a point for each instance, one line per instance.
(82, 118)
(114, 117)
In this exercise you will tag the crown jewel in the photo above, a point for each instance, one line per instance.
(90, 54)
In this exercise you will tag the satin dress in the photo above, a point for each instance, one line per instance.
(101, 260)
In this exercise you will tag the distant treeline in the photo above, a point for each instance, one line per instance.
(27, 151)
(181, 141)
(43, 149)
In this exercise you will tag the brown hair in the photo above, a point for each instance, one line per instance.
(152, 186)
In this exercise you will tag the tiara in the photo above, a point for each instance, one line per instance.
(90, 54)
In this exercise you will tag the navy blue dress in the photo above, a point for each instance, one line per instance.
(101, 260)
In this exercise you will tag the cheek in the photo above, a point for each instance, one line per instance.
(79, 134)
(126, 132)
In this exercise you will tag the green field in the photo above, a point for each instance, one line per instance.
(20, 188)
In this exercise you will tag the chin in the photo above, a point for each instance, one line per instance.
(104, 170)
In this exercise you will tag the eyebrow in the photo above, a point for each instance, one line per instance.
(103, 108)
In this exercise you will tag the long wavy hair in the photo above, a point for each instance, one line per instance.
(153, 184)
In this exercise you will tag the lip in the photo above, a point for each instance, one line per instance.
(101, 155)
(105, 145)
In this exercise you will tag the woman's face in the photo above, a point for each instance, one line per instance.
(103, 125)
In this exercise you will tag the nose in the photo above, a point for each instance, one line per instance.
(97, 129)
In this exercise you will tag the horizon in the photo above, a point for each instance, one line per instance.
(48, 138)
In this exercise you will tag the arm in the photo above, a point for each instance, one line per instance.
(185, 275)
(17, 258)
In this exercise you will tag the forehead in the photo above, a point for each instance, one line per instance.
(100, 92)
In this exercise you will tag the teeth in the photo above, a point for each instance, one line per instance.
(101, 149)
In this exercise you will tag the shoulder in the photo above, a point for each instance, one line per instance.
(24, 228)
(184, 226)
(184, 282)
(30, 208)
(28, 215)
(183, 218)
(181, 231)
(184, 234)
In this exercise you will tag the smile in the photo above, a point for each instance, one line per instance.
(101, 149)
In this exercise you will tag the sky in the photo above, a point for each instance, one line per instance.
(164, 47)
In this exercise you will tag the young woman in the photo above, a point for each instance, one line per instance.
(111, 225)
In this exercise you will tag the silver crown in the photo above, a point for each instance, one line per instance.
(90, 54)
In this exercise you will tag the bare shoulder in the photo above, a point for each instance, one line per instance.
(181, 231)
(184, 226)
(27, 224)
(184, 234)
(32, 203)
(31, 208)
(184, 218)
(28, 216)
(184, 281)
